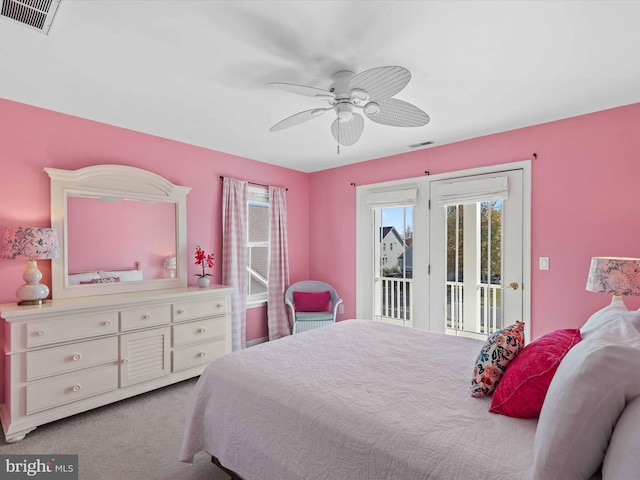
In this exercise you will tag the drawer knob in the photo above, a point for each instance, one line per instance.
(107, 323)
(202, 354)
(76, 357)
(202, 330)
(219, 305)
(76, 388)
(180, 312)
(146, 316)
(41, 333)
(125, 361)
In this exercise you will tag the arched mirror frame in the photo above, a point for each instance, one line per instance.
(114, 181)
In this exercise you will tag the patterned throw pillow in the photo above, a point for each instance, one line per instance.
(497, 352)
(101, 280)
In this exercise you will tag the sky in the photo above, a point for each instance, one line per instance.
(394, 217)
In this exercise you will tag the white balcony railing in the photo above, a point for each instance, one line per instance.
(488, 317)
(394, 305)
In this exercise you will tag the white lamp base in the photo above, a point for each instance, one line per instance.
(33, 292)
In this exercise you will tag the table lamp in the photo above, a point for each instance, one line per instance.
(32, 243)
(614, 276)
(170, 264)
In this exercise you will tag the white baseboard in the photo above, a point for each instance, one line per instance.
(256, 341)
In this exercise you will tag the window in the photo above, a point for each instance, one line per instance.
(257, 244)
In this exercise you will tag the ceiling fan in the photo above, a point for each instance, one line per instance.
(369, 92)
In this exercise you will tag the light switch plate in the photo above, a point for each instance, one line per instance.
(544, 263)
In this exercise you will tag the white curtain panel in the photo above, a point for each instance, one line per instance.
(278, 321)
(234, 255)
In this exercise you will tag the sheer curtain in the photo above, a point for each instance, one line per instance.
(278, 321)
(234, 255)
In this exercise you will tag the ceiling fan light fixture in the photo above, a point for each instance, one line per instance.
(345, 113)
(372, 108)
(359, 95)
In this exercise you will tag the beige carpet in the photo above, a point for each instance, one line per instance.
(135, 439)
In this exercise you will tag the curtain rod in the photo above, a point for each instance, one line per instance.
(254, 183)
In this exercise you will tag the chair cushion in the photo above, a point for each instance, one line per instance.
(313, 316)
(312, 301)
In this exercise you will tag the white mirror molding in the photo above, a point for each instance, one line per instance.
(114, 181)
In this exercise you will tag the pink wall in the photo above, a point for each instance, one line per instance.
(33, 138)
(584, 188)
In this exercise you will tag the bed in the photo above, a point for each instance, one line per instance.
(107, 276)
(354, 400)
(365, 400)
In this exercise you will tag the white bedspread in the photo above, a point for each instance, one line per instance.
(355, 400)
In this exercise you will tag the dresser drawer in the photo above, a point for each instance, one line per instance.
(65, 359)
(71, 328)
(145, 317)
(191, 356)
(198, 331)
(205, 308)
(41, 396)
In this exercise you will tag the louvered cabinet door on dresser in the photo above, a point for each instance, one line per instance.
(71, 355)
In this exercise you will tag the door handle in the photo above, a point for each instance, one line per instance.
(514, 285)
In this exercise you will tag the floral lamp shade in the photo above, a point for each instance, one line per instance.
(614, 276)
(31, 243)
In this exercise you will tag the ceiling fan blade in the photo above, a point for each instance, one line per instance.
(303, 90)
(397, 113)
(381, 82)
(348, 133)
(298, 118)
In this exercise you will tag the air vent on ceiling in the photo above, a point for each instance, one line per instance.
(36, 14)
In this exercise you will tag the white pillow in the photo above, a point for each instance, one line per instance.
(603, 318)
(76, 278)
(123, 275)
(622, 461)
(586, 396)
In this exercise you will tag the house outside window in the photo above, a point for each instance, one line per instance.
(257, 244)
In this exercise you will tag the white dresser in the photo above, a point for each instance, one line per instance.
(71, 355)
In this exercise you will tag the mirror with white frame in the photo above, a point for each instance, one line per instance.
(120, 229)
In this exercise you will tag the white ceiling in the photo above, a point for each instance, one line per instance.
(197, 71)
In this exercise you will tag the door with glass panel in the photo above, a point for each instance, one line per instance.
(393, 265)
(476, 253)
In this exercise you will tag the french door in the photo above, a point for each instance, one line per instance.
(447, 252)
(476, 253)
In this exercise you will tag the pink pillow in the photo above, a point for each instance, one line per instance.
(312, 302)
(524, 385)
